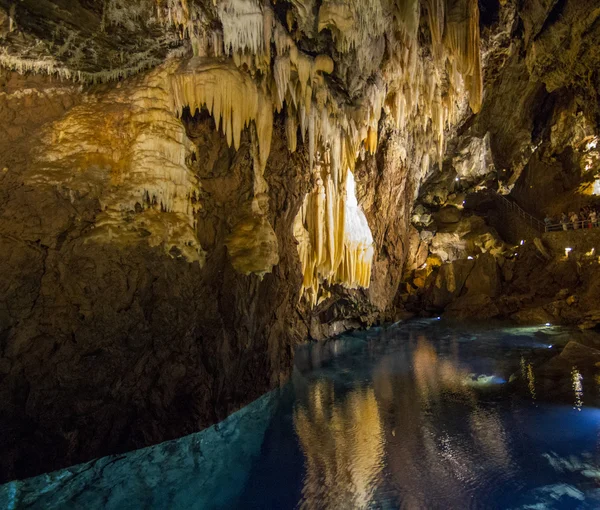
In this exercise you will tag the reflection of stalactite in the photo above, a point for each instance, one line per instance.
(334, 239)
(427, 461)
(343, 448)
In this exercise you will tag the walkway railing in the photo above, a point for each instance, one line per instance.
(571, 225)
(516, 209)
(538, 225)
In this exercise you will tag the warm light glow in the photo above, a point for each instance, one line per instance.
(334, 239)
(531, 380)
(567, 251)
(343, 446)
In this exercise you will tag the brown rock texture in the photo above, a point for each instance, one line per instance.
(110, 337)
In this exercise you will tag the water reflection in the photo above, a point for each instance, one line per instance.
(577, 380)
(415, 417)
(342, 442)
(428, 461)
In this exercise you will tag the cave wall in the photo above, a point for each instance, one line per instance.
(110, 337)
(110, 344)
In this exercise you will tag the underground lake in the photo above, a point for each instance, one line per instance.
(424, 414)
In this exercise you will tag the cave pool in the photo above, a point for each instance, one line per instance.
(421, 415)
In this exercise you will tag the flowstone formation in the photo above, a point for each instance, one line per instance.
(189, 188)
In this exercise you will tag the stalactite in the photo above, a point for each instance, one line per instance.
(243, 26)
(231, 97)
(462, 40)
(334, 240)
(436, 20)
(422, 94)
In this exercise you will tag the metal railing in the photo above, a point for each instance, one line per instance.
(542, 226)
(515, 208)
(571, 225)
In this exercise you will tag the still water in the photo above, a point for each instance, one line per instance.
(423, 415)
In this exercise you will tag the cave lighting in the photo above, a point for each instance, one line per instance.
(522, 242)
(470, 258)
(567, 251)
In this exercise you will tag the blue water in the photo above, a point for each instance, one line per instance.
(423, 415)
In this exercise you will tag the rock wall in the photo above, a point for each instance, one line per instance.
(110, 343)
(112, 336)
(581, 241)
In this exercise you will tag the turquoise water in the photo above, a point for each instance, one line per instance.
(424, 415)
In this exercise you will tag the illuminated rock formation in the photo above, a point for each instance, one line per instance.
(334, 239)
(135, 164)
(189, 188)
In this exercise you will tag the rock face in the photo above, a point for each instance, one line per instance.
(113, 343)
(142, 304)
(192, 188)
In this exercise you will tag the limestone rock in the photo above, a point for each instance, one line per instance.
(484, 279)
(577, 354)
(252, 246)
(532, 316)
(448, 215)
(472, 306)
(449, 282)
